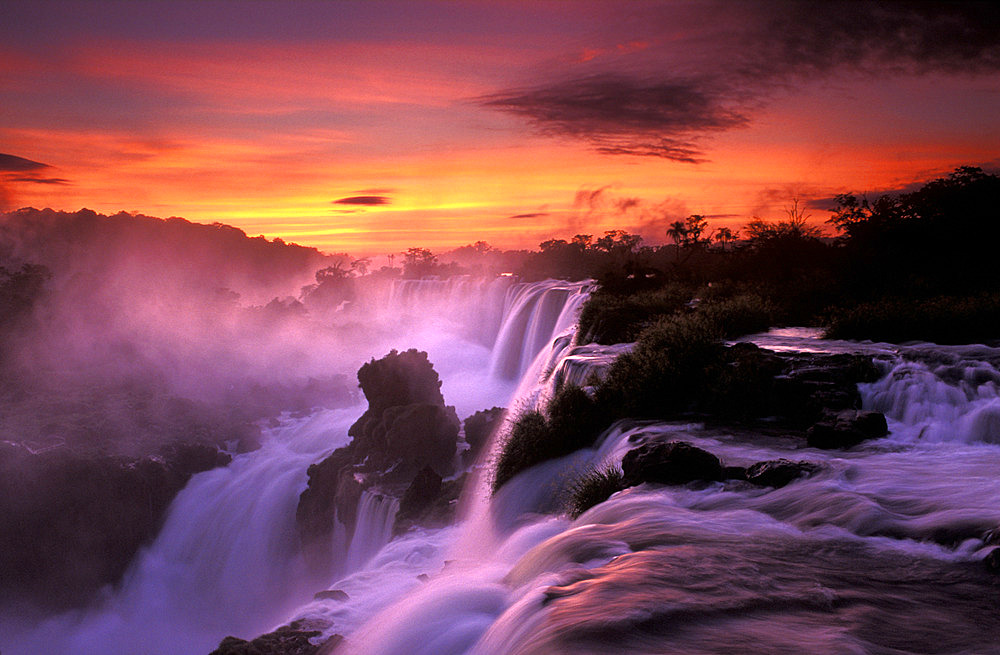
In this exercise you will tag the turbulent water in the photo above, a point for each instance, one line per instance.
(879, 552)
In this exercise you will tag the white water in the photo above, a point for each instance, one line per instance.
(226, 560)
(878, 552)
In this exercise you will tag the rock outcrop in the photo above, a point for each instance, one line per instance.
(846, 428)
(778, 472)
(673, 462)
(296, 638)
(406, 430)
(70, 524)
(478, 429)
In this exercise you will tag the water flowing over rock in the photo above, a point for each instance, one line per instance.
(777, 547)
(293, 639)
(406, 428)
(778, 472)
(72, 523)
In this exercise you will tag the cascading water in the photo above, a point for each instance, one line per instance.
(226, 560)
(877, 552)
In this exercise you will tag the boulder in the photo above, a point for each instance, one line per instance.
(674, 462)
(846, 428)
(295, 638)
(992, 561)
(778, 472)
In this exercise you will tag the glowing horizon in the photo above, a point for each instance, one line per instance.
(510, 123)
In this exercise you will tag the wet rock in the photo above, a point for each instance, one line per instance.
(294, 639)
(734, 473)
(992, 561)
(331, 594)
(71, 524)
(674, 462)
(407, 424)
(406, 429)
(420, 494)
(846, 428)
(778, 472)
(478, 429)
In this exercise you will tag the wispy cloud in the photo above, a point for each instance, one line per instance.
(13, 163)
(665, 102)
(363, 200)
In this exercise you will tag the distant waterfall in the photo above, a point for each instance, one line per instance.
(534, 314)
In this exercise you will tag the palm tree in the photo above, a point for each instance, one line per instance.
(678, 233)
(724, 235)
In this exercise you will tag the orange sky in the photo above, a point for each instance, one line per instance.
(475, 121)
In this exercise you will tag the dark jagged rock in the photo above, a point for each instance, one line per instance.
(478, 429)
(811, 385)
(331, 594)
(778, 472)
(410, 437)
(992, 561)
(674, 462)
(399, 378)
(70, 524)
(436, 509)
(293, 639)
(420, 494)
(406, 428)
(734, 473)
(846, 428)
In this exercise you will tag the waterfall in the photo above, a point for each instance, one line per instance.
(533, 314)
(372, 529)
(950, 398)
(683, 569)
(226, 560)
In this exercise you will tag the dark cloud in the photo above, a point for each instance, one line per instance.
(915, 37)
(532, 215)
(14, 164)
(363, 200)
(619, 114)
(40, 180)
(666, 100)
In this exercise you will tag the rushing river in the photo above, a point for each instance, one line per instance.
(879, 552)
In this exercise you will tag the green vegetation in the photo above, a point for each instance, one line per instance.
(594, 487)
(941, 319)
(572, 420)
(609, 318)
(678, 365)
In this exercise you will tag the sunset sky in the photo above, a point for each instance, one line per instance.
(370, 127)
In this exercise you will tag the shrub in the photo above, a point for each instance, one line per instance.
(593, 488)
(609, 318)
(525, 447)
(665, 372)
(738, 315)
(943, 319)
(572, 420)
